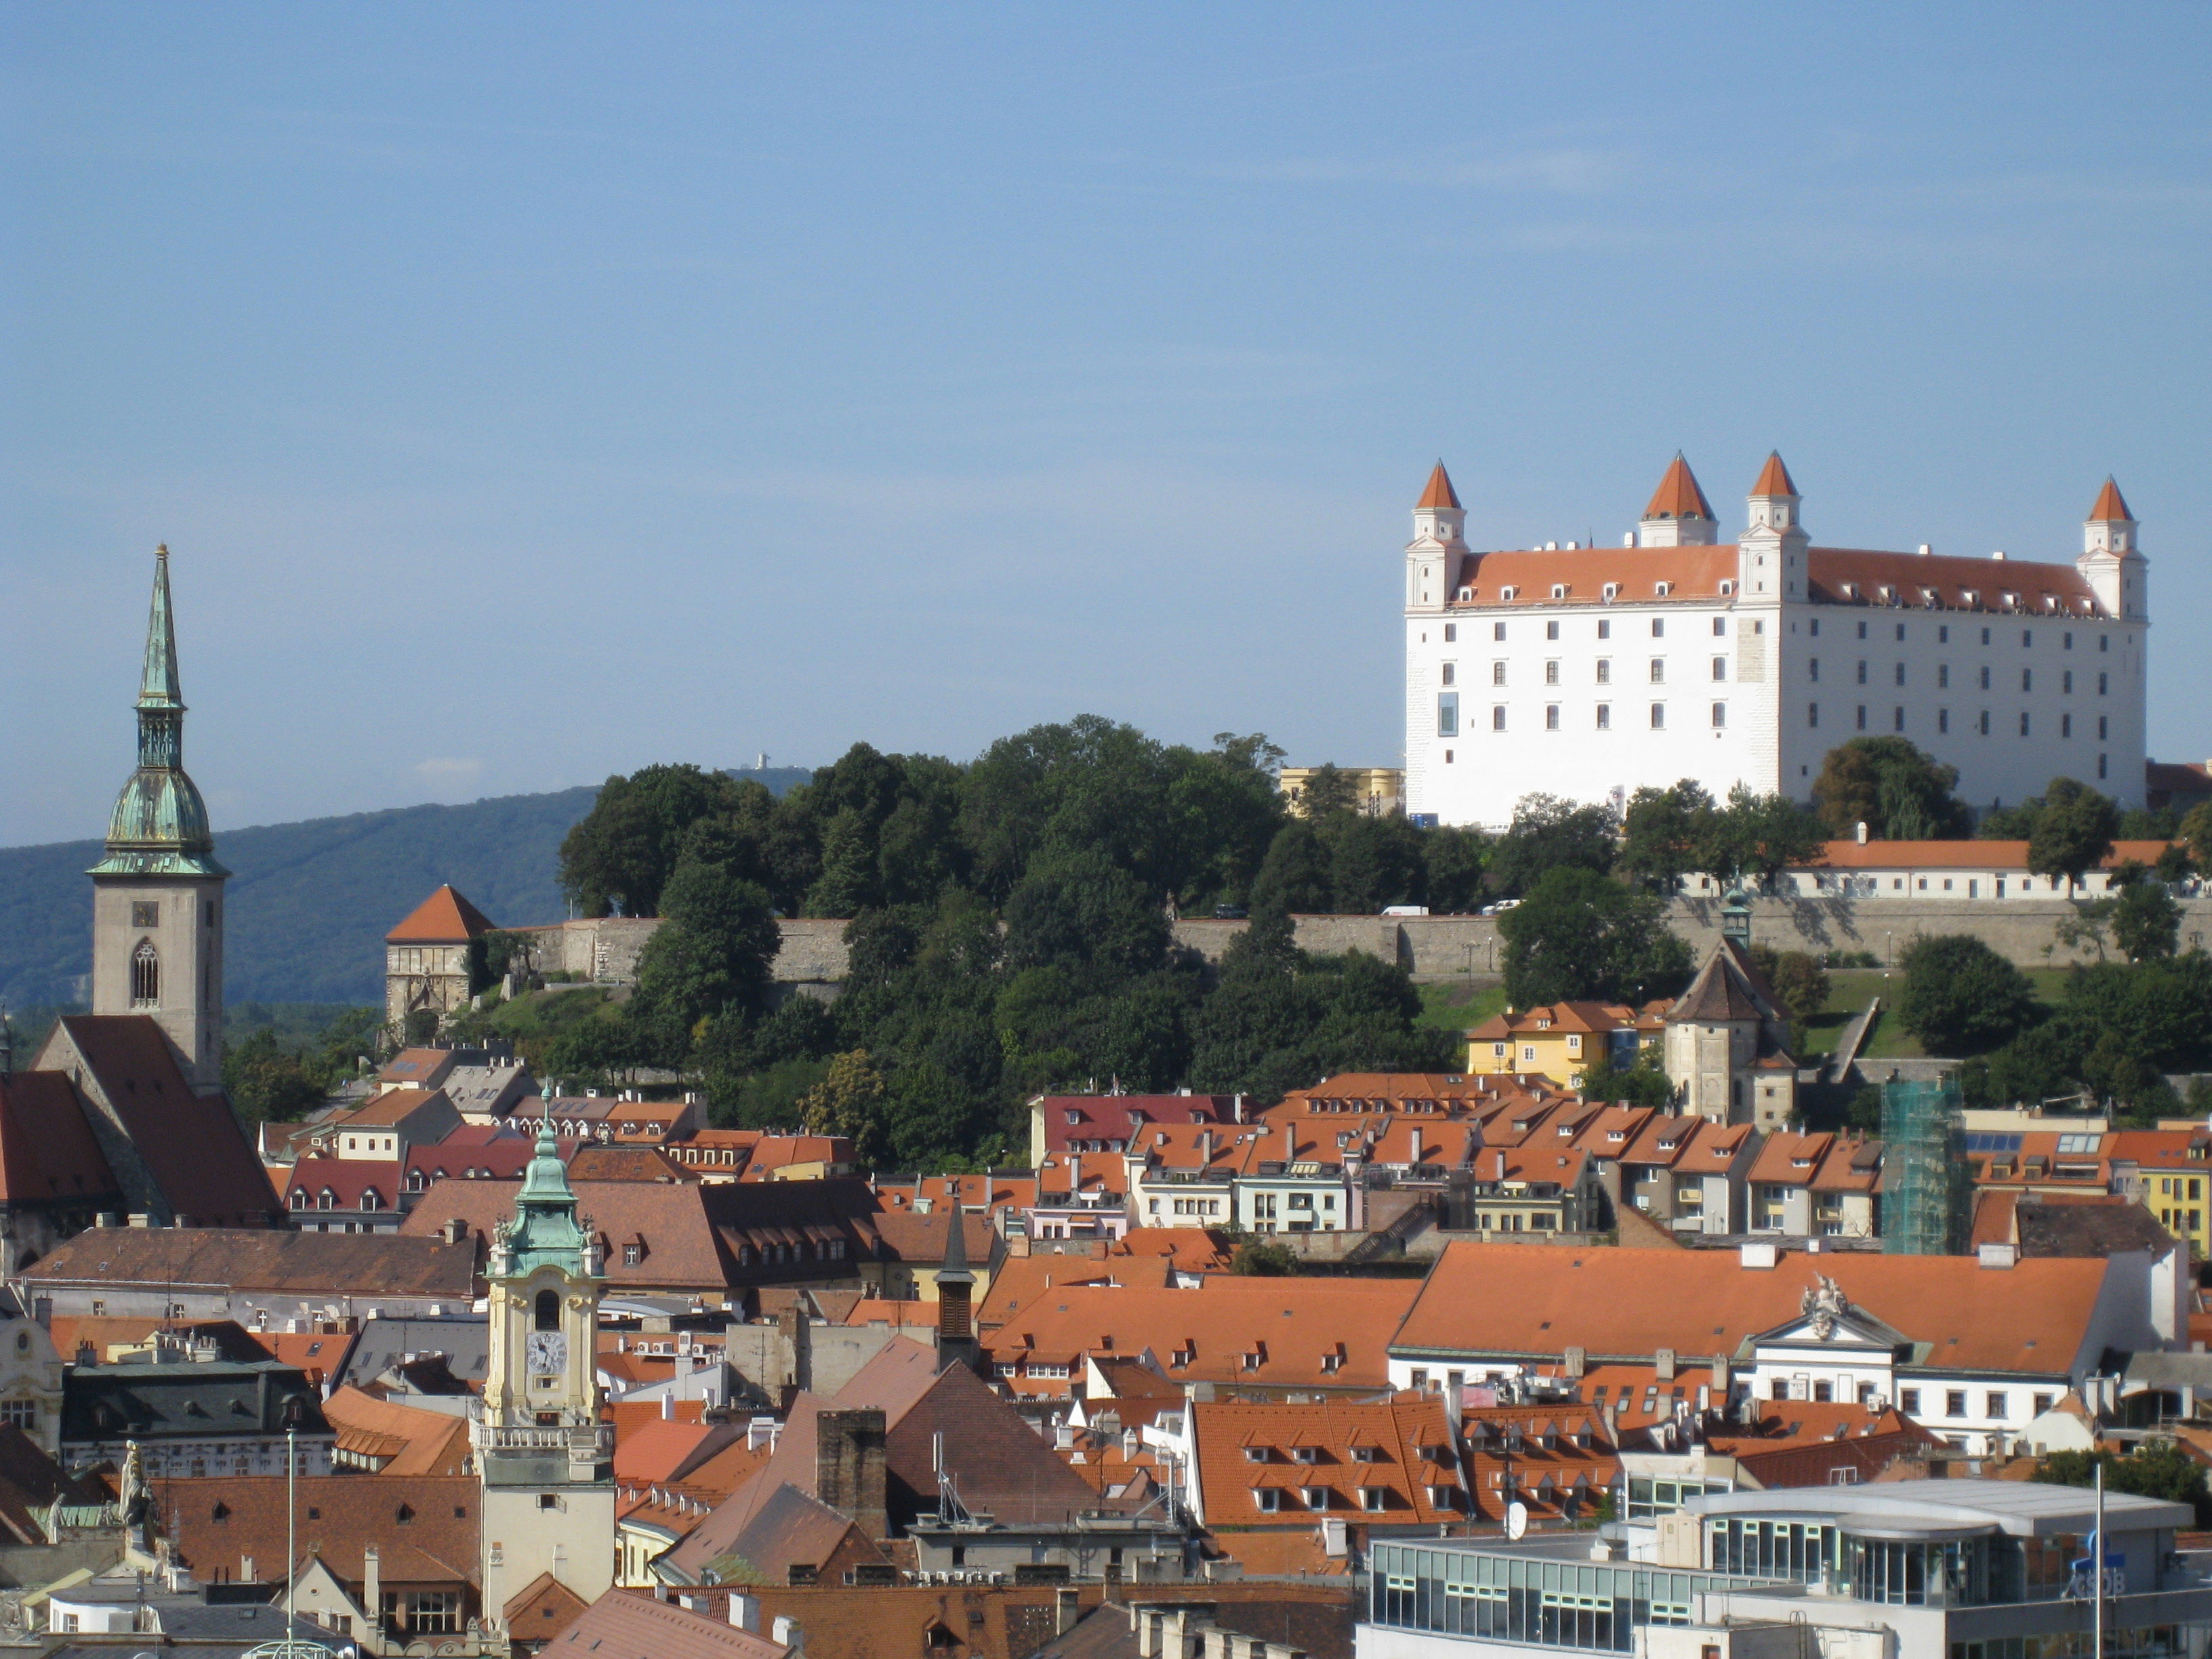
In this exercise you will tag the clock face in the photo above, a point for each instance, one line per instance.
(548, 1351)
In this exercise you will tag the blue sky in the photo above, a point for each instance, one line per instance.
(528, 393)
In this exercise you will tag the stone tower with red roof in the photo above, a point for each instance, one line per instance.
(430, 961)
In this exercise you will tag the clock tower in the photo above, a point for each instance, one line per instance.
(546, 1461)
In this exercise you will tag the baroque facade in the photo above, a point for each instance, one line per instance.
(1588, 672)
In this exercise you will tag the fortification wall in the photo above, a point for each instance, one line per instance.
(604, 949)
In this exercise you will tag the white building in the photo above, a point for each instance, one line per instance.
(1588, 672)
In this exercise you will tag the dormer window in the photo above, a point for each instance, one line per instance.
(1728, 586)
(1509, 594)
(1851, 589)
(1306, 1454)
(1466, 593)
(1559, 590)
(1256, 1454)
(1662, 589)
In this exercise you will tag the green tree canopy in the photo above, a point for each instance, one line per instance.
(1894, 787)
(1959, 996)
(1547, 832)
(2146, 922)
(622, 853)
(1580, 935)
(2073, 831)
(2158, 1468)
(1664, 833)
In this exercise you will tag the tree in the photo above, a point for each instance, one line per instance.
(1256, 1259)
(1580, 935)
(1373, 862)
(1894, 787)
(711, 953)
(846, 1102)
(1644, 1084)
(1798, 981)
(1664, 832)
(2196, 832)
(1294, 877)
(1073, 906)
(2146, 922)
(623, 850)
(2158, 1468)
(1959, 996)
(265, 1084)
(1546, 833)
(1758, 835)
(2073, 831)
(1453, 863)
(1328, 788)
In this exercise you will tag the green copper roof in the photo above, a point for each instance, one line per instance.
(160, 825)
(546, 1232)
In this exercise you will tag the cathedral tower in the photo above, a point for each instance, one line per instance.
(547, 1461)
(157, 895)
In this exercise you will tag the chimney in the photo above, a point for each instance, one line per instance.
(371, 1585)
(1863, 832)
(1662, 1365)
(1413, 1139)
(848, 1468)
(1067, 1609)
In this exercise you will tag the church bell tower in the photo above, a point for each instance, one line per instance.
(157, 895)
(546, 1461)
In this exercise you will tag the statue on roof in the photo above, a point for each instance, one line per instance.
(1824, 1303)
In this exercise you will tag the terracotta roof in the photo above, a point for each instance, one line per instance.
(361, 1265)
(1719, 993)
(30, 1479)
(1774, 478)
(1544, 1299)
(1343, 1447)
(920, 1239)
(345, 1179)
(444, 918)
(48, 1152)
(1269, 1332)
(593, 1163)
(1279, 1552)
(1020, 1281)
(1635, 573)
(1439, 492)
(189, 1144)
(542, 1609)
(1913, 582)
(1004, 1467)
(624, 1625)
(653, 1451)
(416, 1442)
(1960, 854)
(1678, 495)
(2109, 507)
(791, 1527)
(216, 1521)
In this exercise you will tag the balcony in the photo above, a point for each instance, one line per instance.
(583, 1443)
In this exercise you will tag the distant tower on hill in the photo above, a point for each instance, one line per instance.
(429, 960)
(157, 895)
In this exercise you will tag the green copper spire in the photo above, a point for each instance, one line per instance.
(160, 825)
(546, 1230)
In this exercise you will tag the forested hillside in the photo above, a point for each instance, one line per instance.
(310, 902)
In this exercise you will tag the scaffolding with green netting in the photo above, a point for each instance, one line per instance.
(1926, 1188)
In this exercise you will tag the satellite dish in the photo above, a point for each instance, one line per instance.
(1516, 1520)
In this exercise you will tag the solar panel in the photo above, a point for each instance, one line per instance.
(1985, 1141)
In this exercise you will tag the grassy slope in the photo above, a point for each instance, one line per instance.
(1451, 1005)
(1850, 990)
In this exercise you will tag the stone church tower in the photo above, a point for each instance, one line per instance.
(546, 1461)
(157, 895)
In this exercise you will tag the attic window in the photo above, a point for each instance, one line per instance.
(1508, 592)
(1662, 589)
(403, 1514)
(1559, 590)
(220, 1512)
(1612, 589)
(1256, 1454)
(1306, 1454)
(1851, 589)
(1728, 586)
(1467, 593)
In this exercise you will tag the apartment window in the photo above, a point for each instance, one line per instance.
(1996, 1405)
(1451, 633)
(1605, 717)
(1498, 630)
(1448, 715)
(2104, 727)
(1813, 715)
(1986, 722)
(1658, 717)
(1900, 630)
(1267, 1499)
(1551, 717)
(1813, 627)
(1943, 720)
(1985, 636)
(1552, 671)
(2026, 638)
(2067, 642)
(1862, 671)
(2065, 726)
(1605, 628)
(1954, 1402)
(1863, 724)
(1605, 671)
(1908, 1401)
(1942, 677)
(2043, 1402)
(1720, 716)
(1658, 627)
(1498, 673)
(1658, 671)
(1720, 668)
(2066, 682)
(1985, 677)
(1943, 635)
(1374, 1499)
(2100, 766)
(2104, 684)
(1862, 630)
(1498, 717)
(1897, 719)
(2023, 722)
(1317, 1497)
(1897, 677)
(1813, 669)
(1551, 630)
(1451, 674)
(2027, 679)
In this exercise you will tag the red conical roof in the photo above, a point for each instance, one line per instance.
(1774, 477)
(1678, 495)
(444, 918)
(2109, 505)
(1440, 492)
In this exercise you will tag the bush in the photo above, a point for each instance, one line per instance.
(1959, 996)
(2159, 1469)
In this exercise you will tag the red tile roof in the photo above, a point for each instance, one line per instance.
(1678, 495)
(626, 1625)
(1440, 492)
(48, 1152)
(216, 1521)
(444, 918)
(2109, 507)
(1387, 1447)
(1774, 478)
(1960, 854)
(1912, 581)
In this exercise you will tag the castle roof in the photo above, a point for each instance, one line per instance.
(446, 917)
(1774, 478)
(1678, 495)
(1440, 492)
(2110, 507)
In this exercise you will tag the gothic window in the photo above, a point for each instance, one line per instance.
(547, 1310)
(145, 976)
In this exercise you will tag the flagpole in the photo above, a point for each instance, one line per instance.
(2098, 1565)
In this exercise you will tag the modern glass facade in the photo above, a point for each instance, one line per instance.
(1590, 1605)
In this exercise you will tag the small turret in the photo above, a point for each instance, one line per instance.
(1439, 538)
(1770, 564)
(1678, 514)
(2110, 562)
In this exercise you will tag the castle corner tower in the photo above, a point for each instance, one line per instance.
(157, 895)
(546, 1461)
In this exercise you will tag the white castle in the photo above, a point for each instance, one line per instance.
(1588, 671)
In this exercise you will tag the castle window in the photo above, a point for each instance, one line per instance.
(546, 1310)
(145, 976)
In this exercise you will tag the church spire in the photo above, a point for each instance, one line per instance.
(158, 686)
(160, 825)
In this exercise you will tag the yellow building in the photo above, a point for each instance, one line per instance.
(1377, 791)
(1562, 1040)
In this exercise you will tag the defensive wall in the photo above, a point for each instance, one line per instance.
(2024, 931)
